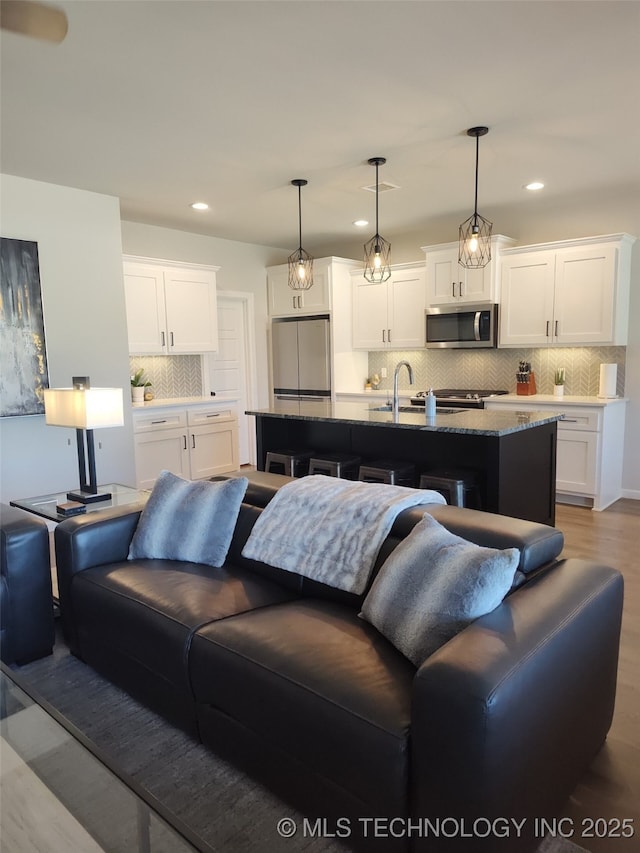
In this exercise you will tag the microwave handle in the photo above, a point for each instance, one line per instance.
(476, 325)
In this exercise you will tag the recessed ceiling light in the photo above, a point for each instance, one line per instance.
(361, 222)
(200, 205)
(534, 185)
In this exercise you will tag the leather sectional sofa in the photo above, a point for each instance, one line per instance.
(279, 674)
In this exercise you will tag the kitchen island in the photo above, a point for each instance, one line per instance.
(513, 453)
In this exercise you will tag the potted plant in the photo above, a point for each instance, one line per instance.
(558, 382)
(138, 384)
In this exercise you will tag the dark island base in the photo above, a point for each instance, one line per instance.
(517, 472)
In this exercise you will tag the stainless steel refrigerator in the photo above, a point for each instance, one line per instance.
(301, 358)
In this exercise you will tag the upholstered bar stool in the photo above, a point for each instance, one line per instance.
(388, 471)
(292, 463)
(335, 465)
(459, 487)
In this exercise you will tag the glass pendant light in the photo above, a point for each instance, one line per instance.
(377, 250)
(300, 262)
(474, 250)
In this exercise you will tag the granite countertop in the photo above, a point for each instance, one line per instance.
(181, 402)
(461, 421)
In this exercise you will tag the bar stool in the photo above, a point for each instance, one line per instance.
(335, 465)
(455, 484)
(388, 471)
(292, 463)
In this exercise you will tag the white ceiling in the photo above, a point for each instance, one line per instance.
(165, 102)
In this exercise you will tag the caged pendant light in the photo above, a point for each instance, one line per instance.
(300, 262)
(474, 235)
(377, 250)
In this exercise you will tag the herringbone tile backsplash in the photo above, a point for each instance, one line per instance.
(496, 369)
(170, 375)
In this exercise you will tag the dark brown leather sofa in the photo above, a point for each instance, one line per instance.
(280, 675)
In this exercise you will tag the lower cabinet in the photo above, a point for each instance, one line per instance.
(589, 449)
(193, 443)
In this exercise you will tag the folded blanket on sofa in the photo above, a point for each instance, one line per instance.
(330, 529)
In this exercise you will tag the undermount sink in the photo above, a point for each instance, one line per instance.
(414, 410)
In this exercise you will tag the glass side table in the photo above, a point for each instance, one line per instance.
(45, 505)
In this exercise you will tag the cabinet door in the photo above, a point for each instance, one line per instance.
(213, 450)
(476, 284)
(406, 294)
(160, 450)
(577, 462)
(584, 295)
(370, 314)
(192, 311)
(526, 304)
(146, 321)
(444, 276)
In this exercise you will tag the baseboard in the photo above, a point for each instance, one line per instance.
(634, 494)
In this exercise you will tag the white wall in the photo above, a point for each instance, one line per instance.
(80, 252)
(242, 268)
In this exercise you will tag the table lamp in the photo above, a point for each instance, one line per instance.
(85, 409)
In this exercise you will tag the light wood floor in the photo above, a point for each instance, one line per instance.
(611, 787)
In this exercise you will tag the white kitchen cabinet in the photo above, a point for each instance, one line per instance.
(572, 293)
(390, 315)
(171, 308)
(284, 302)
(195, 443)
(589, 449)
(448, 282)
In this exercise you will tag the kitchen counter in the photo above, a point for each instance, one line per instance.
(513, 454)
(459, 421)
(561, 402)
(181, 402)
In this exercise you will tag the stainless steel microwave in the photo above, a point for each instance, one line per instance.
(462, 326)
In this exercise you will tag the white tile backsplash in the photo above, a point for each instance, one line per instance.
(496, 369)
(170, 375)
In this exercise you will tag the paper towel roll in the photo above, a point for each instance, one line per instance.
(608, 380)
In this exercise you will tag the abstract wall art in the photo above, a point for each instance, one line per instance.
(23, 357)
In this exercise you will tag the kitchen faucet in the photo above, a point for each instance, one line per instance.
(395, 383)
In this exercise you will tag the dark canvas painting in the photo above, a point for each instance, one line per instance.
(23, 358)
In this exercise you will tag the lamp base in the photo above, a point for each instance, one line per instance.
(88, 497)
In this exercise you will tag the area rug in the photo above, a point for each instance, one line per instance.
(222, 805)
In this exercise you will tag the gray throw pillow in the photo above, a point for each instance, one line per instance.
(432, 585)
(190, 521)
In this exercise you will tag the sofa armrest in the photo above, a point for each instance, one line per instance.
(26, 600)
(93, 539)
(509, 713)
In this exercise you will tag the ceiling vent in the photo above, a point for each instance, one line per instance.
(383, 187)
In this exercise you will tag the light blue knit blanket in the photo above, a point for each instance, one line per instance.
(330, 529)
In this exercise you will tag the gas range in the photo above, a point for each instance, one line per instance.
(463, 398)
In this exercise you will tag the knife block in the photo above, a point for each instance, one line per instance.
(526, 389)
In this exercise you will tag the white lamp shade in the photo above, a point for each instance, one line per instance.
(94, 408)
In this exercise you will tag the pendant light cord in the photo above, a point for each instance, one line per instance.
(475, 202)
(300, 217)
(377, 232)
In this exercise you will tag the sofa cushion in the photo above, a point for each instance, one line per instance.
(319, 684)
(433, 585)
(190, 521)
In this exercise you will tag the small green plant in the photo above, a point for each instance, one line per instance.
(558, 376)
(137, 381)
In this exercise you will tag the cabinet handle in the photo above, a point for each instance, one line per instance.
(217, 415)
(293, 302)
(569, 420)
(556, 331)
(299, 301)
(384, 340)
(159, 422)
(547, 332)
(453, 288)
(185, 442)
(460, 283)
(388, 336)
(171, 333)
(193, 441)
(162, 333)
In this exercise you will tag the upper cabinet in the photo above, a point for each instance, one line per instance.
(171, 307)
(448, 282)
(284, 302)
(390, 315)
(571, 293)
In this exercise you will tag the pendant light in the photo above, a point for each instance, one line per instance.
(300, 262)
(474, 250)
(377, 250)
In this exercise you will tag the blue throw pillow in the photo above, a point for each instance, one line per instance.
(189, 521)
(434, 584)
